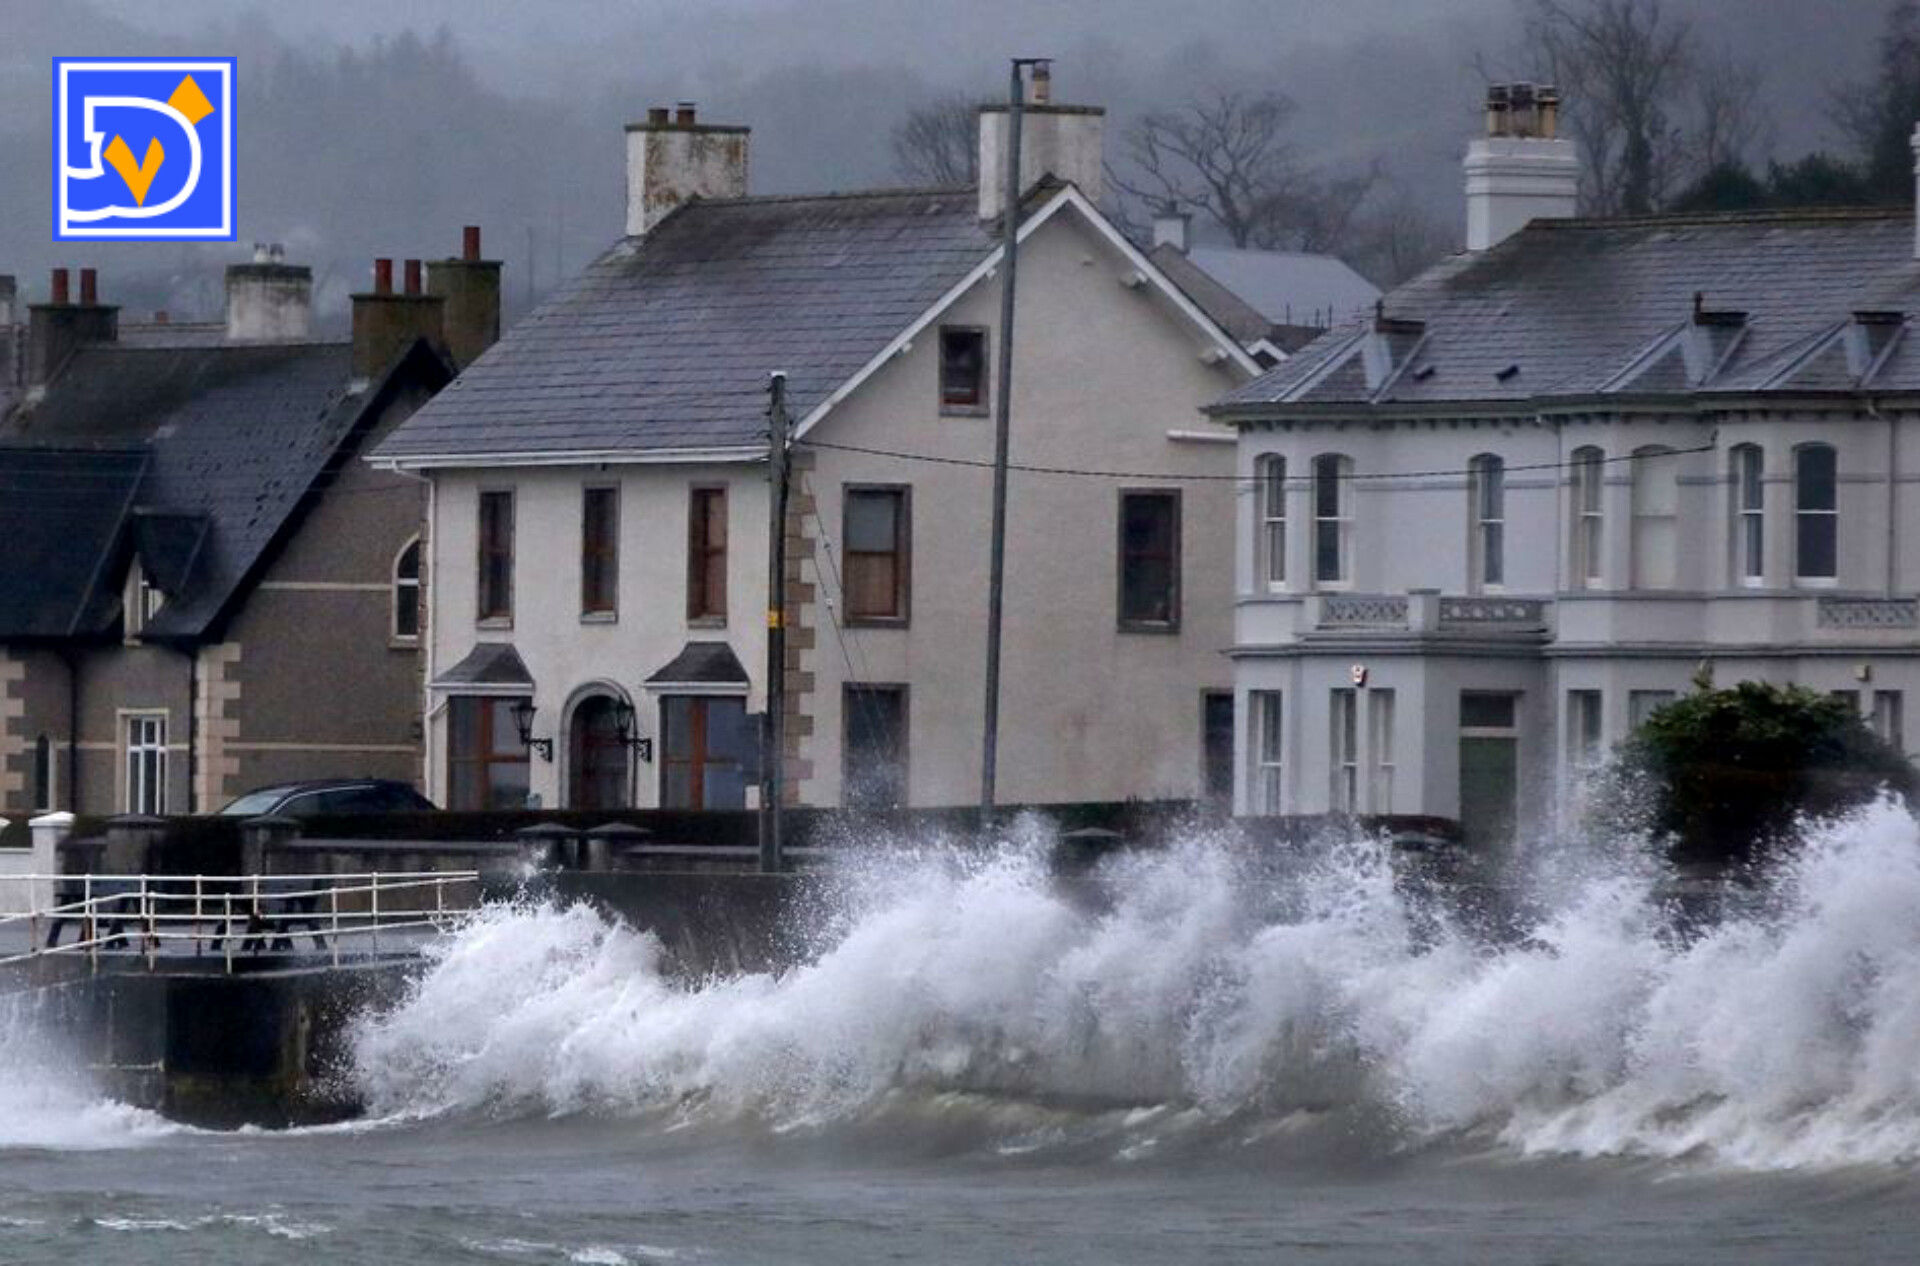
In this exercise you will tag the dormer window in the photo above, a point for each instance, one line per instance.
(140, 602)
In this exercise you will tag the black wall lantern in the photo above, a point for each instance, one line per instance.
(623, 730)
(523, 721)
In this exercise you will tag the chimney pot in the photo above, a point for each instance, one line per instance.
(60, 286)
(161, 317)
(259, 252)
(413, 276)
(383, 276)
(1042, 83)
(470, 243)
(89, 287)
(683, 114)
(657, 116)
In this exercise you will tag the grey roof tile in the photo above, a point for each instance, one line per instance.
(1573, 304)
(666, 341)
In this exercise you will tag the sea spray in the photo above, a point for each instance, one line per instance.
(1222, 983)
(49, 1102)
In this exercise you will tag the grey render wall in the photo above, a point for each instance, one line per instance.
(319, 687)
(1103, 373)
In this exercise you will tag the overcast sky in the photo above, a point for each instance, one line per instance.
(537, 154)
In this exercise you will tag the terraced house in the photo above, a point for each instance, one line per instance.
(202, 590)
(600, 521)
(1558, 476)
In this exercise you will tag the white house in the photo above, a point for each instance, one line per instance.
(1493, 525)
(599, 533)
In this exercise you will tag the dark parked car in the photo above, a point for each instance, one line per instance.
(333, 795)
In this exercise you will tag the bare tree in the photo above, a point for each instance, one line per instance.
(1624, 68)
(1397, 235)
(1730, 124)
(1226, 157)
(937, 144)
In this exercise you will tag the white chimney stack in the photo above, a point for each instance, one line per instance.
(269, 300)
(1172, 228)
(1522, 169)
(1063, 141)
(672, 158)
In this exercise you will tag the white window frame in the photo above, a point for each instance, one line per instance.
(1801, 514)
(1380, 725)
(1588, 512)
(1333, 471)
(1586, 727)
(1888, 720)
(1266, 751)
(1749, 497)
(402, 591)
(1643, 521)
(1343, 749)
(1270, 522)
(1487, 506)
(143, 788)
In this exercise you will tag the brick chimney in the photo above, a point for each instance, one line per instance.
(1063, 141)
(269, 300)
(58, 328)
(471, 287)
(384, 322)
(1522, 169)
(673, 158)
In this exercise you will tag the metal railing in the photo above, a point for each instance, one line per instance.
(235, 916)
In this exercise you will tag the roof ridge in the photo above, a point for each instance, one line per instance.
(903, 191)
(1769, 215)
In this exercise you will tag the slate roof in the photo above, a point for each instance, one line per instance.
(1578, 309)
(666, 341)
(224, 444)
(701, 664)
(60, 515)
(488, 664)
(1289, 287)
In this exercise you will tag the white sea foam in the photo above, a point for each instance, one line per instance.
(1777, 1039)
(46, 1102)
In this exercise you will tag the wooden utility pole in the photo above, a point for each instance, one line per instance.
(1002, 407)
(773, 750)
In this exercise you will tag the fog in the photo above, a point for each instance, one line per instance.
(378, 127)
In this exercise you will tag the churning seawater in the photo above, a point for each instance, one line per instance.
(1228, 1059)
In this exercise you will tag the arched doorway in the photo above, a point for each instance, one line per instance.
(596, 756)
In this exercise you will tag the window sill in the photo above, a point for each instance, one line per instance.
(876, 622)
(599, 617)
(1142, 626)
(494, 622)
(706, 621)
(965, 411)
(1816, 582)
(403, 643)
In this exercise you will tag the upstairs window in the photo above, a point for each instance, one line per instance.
(140, 601)
(599, 551)
(406, 593)
(1656, 518)
(1816, 513)
(1150, 561)
(1487, 491)
(1270, 520)
(1749, 514)
(707, 556)
(963, 369)
(1588, 521)
(146, 763)
(1332, 519)
(874, 529)
(495, 587)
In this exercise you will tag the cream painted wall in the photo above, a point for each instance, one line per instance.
(1103, 372)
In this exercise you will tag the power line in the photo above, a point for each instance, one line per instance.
(1249, 480)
